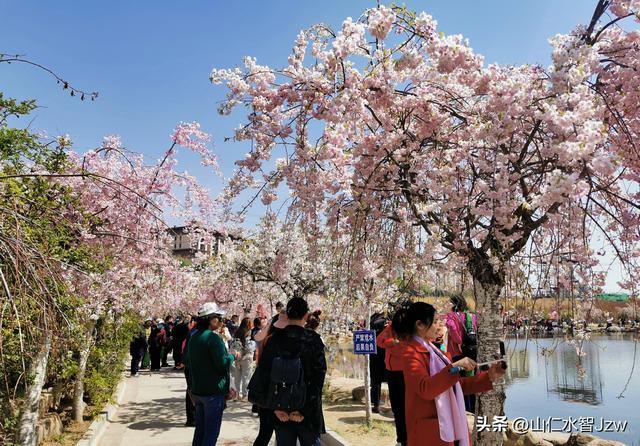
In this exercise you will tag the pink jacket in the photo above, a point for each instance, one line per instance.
(455, 325)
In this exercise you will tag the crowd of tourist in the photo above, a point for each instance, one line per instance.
(219, 356)
(278, 364)
(154, 341)
(540, 324)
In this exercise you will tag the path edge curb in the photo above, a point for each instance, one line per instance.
(99, 424)
(331, 438)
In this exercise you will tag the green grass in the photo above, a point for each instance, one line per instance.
(379, 427)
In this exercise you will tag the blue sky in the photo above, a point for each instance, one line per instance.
(150, 60)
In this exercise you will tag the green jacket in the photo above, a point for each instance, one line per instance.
(208, 362)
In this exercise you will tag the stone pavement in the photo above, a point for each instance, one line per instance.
(153, 413)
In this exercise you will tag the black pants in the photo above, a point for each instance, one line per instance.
(470, 403)
(165, 353)
(154, 353)
(136, 357)
(376, 387)
(190, 408)
(396, 395)
(267, 425)
(288, 434)
(177, 354)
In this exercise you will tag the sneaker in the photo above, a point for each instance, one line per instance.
(255, 415)
(375, 409)
(133, 375)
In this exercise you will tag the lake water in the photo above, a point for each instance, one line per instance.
(547, 378)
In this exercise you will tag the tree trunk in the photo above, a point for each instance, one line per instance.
(77, 410)
(490, 333)
(27, 434)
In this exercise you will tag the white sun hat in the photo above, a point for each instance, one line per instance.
(210, 308)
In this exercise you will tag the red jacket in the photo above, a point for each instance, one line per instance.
(421, 390)
(392, 349)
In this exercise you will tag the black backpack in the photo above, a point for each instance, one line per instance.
(287, 386)
(469, 337)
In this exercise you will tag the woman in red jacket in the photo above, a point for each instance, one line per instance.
(434, 395)
(393, 363)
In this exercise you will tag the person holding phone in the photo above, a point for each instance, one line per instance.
(435, 411)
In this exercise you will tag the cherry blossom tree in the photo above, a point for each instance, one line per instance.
(280, 255)
(32, 248)
(84, 237)
(390, 115)
(119, 211)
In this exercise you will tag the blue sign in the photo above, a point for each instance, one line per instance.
(364, 342)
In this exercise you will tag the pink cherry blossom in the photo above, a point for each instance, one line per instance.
(423, 141)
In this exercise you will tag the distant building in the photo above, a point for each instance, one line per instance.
(552, 291)
(189, 240)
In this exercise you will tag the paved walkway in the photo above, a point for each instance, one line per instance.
(153, 413)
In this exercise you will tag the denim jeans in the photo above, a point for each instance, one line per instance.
(208, 419)
(288, 433)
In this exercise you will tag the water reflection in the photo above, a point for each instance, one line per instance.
(571, 377)
(577, 379)
(518, 365)
(547, 377)
(343, 362)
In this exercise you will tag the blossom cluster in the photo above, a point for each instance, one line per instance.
(120, 211)
(481, 158)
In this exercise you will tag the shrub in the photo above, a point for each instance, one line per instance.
(107, 358)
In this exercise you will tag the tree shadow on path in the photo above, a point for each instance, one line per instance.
(159, 415)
